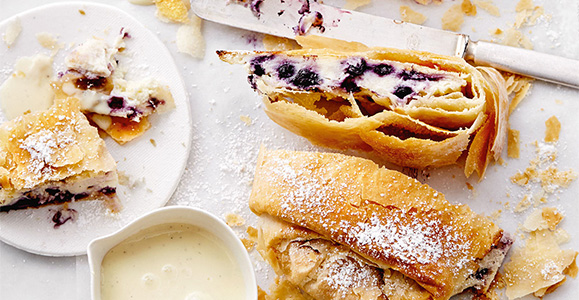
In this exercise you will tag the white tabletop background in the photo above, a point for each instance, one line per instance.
(222, 160)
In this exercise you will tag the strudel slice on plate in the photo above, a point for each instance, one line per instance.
(54, 157)
(115, 104)
(413, 108)
(341, 227)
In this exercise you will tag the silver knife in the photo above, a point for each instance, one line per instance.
(288, 18)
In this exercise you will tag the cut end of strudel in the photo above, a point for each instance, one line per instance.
(118, 106)
(54, 157)
(415, 109)
(341, 227)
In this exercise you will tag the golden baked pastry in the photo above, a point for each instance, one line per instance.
(335, 209)
(118, 106)
(415, 109)
(54, 157)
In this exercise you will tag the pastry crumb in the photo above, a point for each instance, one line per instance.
(354, 4)
(539, 267)
(523, 204)
(468, 8)
(172, 11)
(48, 41)
(153, 142)
(82, 12)
(411, 16)
(513, 143)
(12, 32)
(547, 218)
(276, 43)
(553, 128)
(246, 120)
(453, 18)
(488, 6)
(234, 220)
(248, 244)
(190, 38)
(516, 38)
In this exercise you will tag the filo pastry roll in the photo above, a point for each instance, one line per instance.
(339, 227)
(415, 109)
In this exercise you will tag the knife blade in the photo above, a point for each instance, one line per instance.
(289, 18)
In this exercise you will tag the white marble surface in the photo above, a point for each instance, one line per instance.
(221, 164)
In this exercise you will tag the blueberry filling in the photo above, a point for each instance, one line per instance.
(383, 69)
(256, 67)
(116, 102)
(286, 70)
(306, 78)
(402, 91)
(85, 83)
(357, 69)
(417, 76)
(109, 190)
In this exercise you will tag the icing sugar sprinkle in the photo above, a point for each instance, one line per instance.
(409, 238)
(412, 243)
(43, 146)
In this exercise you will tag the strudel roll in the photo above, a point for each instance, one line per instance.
(415, 109)
(325, 214)
(54, 157)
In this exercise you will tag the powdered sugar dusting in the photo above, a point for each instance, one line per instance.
(409, 237)
(43, 147)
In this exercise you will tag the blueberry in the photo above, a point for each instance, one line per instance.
(383, 69)
(357, 69)
(403, 91)
(286, 70)
(258, 70)
(116, 102)
(306, 78)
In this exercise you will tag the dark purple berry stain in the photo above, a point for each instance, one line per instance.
(402, 91)
(116, 102)
(286, 70)
(154, 102)
(255, 8)
(306, 79)
(85, 83)
(64, 215)
(305, 8)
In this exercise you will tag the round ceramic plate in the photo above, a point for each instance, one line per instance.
(151, 165)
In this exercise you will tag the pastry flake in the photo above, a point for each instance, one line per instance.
(380, 217)
(413, 108)
(54, 156)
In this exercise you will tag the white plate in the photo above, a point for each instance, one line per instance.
(156, 170)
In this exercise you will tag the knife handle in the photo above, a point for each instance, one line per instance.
(542, 66)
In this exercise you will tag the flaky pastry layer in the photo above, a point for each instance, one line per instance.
(389, 219)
